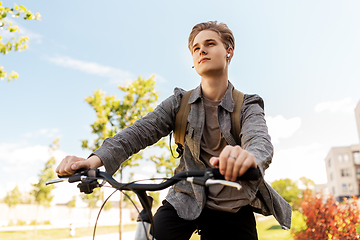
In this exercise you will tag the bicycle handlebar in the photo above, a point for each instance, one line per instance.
(89, 180)
(199, 177)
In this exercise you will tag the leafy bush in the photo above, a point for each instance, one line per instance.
(327, 219)
(298, 222)
(289, 190)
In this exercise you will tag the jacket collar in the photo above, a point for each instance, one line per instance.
(227, 101)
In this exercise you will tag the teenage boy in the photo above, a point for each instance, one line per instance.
(221, 212)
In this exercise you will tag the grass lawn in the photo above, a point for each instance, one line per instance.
(268, 229)
(53, 234)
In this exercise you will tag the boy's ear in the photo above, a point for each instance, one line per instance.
(230, 53)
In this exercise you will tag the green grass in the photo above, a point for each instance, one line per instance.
(268, 229)
(53, 234)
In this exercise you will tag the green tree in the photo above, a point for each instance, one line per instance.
(41, 192)
(13, 197)
(307, 182)
(288, 189)
(114, 115)
(16, 44)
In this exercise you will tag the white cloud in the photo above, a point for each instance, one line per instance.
(17, 154)
(299, 161)
(281, 128)
(117, 76)
(19, 159)
(346, 105)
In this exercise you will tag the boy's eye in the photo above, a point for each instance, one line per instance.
(196, 49)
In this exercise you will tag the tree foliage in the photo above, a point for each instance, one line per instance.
(16, 44)
(13, 197)
(114, 115)
(288, 189)
(327, 219)
(41, 192)
(307, 182)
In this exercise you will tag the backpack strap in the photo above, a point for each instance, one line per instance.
(235, 115)
(181, 120)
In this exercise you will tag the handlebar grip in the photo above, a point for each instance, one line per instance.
(71, 175)
(250, 174)
(74, 178)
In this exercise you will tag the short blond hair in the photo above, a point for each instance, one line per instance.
(222, 29)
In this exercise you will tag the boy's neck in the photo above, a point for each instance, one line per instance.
(214, 88)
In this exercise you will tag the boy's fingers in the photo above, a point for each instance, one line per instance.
(214, 161)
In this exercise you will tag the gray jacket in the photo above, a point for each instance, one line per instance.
(189, 199)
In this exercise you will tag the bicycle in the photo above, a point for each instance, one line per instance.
(89, 180)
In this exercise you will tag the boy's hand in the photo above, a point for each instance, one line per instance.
(70, 164)
(233, 162)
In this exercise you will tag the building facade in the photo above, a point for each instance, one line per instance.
(343, 171)
(343, 167)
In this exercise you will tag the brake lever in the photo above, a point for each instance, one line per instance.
(207, 182)
(223, 182)
(79, 175)
(57, 180)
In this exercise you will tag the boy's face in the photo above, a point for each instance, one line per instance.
(209, 54)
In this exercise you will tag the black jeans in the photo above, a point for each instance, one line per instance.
(212, 224)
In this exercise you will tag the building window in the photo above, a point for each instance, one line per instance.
(351, 188)
(346, 158)
(329, 162)
(358, 173)
(356, 156)
(344, 188)
(340, 158)
(345, 172)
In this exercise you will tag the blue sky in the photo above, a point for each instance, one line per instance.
(302, 57)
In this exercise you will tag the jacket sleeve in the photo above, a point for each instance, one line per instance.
(144, 132)
(254, 132)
